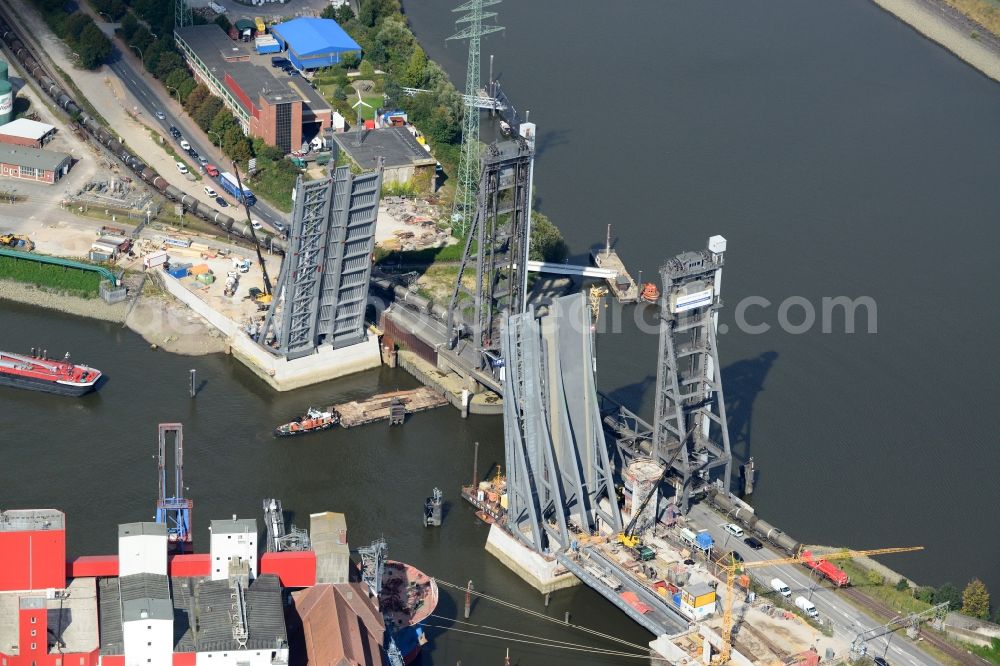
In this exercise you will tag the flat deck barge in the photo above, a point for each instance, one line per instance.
(380, 407)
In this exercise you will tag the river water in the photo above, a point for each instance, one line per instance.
(840, 154)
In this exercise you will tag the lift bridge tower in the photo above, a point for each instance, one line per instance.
(497, 248)
(690, 432)
(473, 30)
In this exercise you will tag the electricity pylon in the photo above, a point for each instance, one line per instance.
(468, 166)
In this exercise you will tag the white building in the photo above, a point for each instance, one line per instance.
(148, 632)
(142, 548)
(234, 539)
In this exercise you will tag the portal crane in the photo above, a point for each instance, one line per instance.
(265, 299)
(732, 566)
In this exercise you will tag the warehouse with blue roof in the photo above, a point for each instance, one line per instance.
(314, 42)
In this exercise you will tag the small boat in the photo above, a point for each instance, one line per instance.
(313, 421)
(37, 372)
(650, 293)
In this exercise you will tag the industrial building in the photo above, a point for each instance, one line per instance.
(281, 111)
(25, 132)
(403, 157)
(24, 163)
(312, 43)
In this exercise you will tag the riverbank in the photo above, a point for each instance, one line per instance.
(947, 26)
(159, 319)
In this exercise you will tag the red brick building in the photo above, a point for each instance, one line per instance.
(24, 163)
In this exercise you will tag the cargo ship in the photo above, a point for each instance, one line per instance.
(37, 373)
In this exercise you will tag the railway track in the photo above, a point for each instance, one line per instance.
(30, 58)
(929, 635)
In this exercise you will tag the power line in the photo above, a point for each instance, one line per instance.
(542, 615)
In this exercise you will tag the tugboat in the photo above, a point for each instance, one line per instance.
(314, 420)
(36, 372)
(650, 293)
(432, 509)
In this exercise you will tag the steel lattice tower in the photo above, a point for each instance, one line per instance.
(497, 244)
(182, 14)
(690, 431)
(468, 166)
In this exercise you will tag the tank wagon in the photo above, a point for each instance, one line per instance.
(26, 57)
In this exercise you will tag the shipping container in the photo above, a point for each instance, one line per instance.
(154, 259)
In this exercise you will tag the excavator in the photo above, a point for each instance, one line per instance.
(261, 298)
(16, 242)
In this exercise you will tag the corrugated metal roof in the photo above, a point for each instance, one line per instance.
(26, 129)
(134, 529)
(47, 160)
(314, 36)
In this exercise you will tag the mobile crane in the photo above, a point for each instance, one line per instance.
(262, 299)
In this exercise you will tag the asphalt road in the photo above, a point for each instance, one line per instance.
(847, 620)
(155, 97)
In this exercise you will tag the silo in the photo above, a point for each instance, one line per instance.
(6, 102)
(3, 70)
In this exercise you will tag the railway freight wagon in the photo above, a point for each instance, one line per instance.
(30, 64)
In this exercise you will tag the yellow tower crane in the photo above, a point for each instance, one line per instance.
(596, 296)
(732, 566)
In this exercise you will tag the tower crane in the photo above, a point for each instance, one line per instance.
(732, 566)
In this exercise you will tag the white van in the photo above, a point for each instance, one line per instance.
(181, 167)
(185, 145)
(688, 537)
(210, 192)
(806, 606)
(779, 586)
(735, 530)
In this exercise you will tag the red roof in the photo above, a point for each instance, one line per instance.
(341, 624)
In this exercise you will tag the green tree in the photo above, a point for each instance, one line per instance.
(129, 26)
(206, 112)
(343, 14)
(367, 69)
(223, 121)
(176, 78)
(236, 145)
(413, 75)
(74, 25)
(976, 600)
(925, 594)
(948, 593)
(93, 47)
(546, 243)
(339, 94)
(186, 88)
(902, 585)
(167, 64)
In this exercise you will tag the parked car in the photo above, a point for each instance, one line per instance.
(202, 161)
(211, 170)
(734, 529)
(161, 115)
(279, 227)
(779, 586)
(193, 153)
(222, 202)
(879, 661)
(256, 225)
(754, 543)
(181, 167)
(185, 145)
(174, 132)
(210, 192)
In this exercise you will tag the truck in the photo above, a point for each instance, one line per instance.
(241, 264)
(826, 569)
(229, 184)
(806, 606)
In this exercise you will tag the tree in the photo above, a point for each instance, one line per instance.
(902, 585)
(413, 75)
(343, 14)
(339, 94)
(949, 593)
(367, 69)
(547, 243)
(167, 64)
(74, 25)
(196, 98)
(129, 26)
(186, 88)
(925, 594)
(176, 78)
(221, 124)
(93, 47)
(236, 144)
(976, 600)
(206, 113)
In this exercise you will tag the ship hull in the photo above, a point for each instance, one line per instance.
(44, 385)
